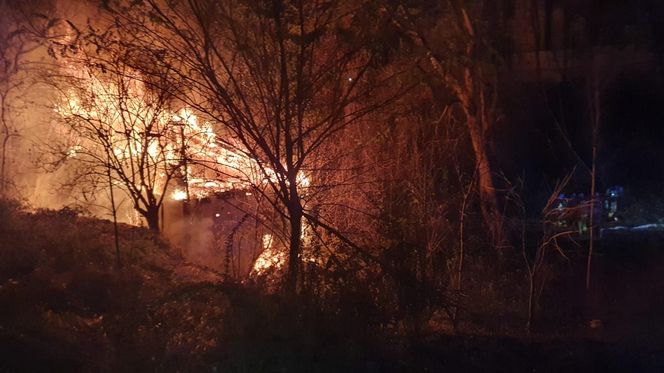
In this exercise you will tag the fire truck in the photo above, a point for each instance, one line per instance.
(572, 211)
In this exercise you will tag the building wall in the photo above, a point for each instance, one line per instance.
(203, 228)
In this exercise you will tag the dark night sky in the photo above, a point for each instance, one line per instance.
(631, 136)
(633, 133)
(628, 37)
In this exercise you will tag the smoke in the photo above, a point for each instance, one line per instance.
(193, 236)
(28, 108)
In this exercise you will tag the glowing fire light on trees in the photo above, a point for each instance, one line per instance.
(115, 127)
(271, 257)
(179, 144)
(182, 137)
(274, 256)
(209, 155)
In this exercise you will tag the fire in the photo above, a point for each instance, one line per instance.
(186, 116)
(73, 151)
(179, 195)
(302, 180)
(169, 138)
(241, 171)
(274, 256)
(114, 123)
(99, 112)
(271, 257)
(198, 139)
(267, 241)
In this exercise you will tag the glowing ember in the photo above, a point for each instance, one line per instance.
(71, 153)
(186, 116)
(271, 257)
(302, 180)
(179, 195)
(267, 241)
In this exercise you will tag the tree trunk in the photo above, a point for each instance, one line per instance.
(295, 213)
(115, 219)
(479, 115)
(5, 143)
(460, 262)
(152, 217)
(487, 190)
(531, 301)
(591, 225)
(593, 178)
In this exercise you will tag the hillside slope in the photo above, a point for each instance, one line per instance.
(66, 306)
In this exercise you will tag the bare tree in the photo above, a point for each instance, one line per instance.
(277, 76)
(417, 219)
(21, 30)
(537, 259)
(118, 129)
(594, 100)
(460, 56)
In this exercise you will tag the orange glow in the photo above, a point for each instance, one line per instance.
(167, 138)
(179, 195)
